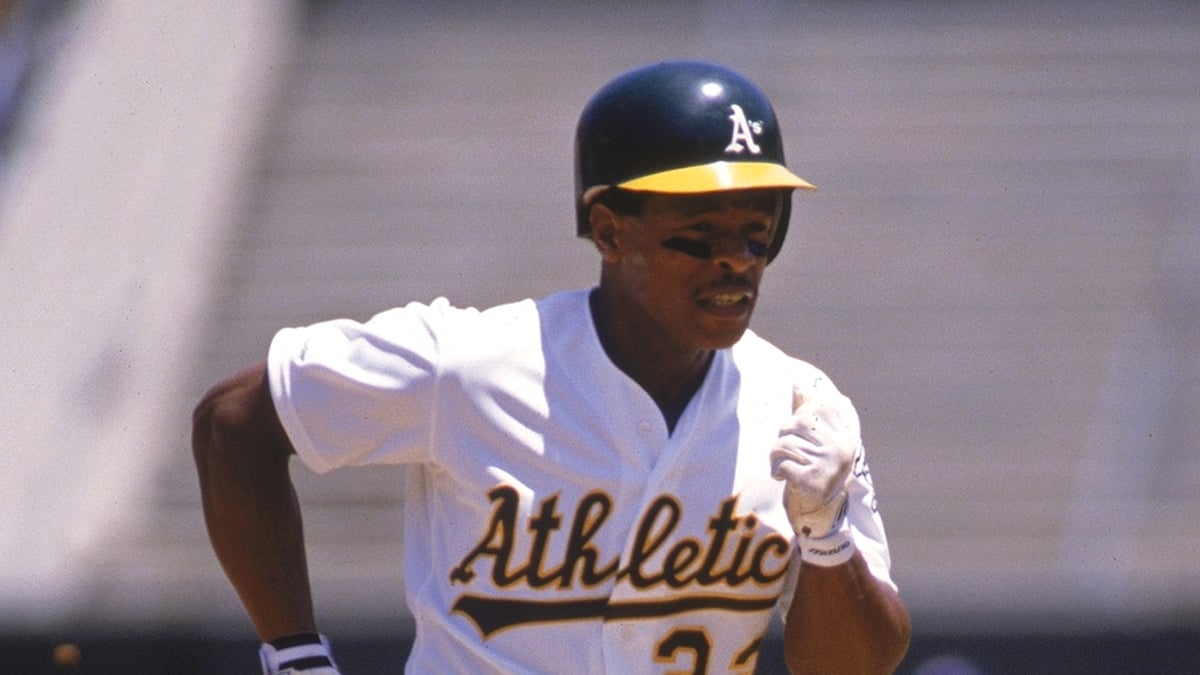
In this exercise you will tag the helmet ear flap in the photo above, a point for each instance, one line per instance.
(781, 224)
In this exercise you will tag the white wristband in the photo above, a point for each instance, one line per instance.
(828, 551)
(309, 654)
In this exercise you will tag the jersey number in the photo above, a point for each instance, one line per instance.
(695, 642)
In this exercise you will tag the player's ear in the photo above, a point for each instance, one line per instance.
(605, 226)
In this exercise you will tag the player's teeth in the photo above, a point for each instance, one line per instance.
(727, 299)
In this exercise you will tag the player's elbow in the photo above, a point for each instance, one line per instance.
(220, 415)
(881, 658)
(235, 422)
(213, 420)
(893, 640)
(876, 648)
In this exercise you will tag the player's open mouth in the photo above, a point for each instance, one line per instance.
(728, 303)
(728, 299)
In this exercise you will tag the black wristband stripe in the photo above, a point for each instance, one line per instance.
(296, 640)
(307, 662)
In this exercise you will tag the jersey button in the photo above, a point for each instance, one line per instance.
(643, 428)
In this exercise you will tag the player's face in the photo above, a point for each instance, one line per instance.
(692, 264)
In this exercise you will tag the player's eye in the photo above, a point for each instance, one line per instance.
(693, 247)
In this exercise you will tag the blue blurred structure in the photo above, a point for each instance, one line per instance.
(28, 35)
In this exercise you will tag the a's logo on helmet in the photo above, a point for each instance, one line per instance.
(744, 132)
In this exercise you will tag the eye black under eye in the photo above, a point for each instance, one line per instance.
(692, 247)
(704, 250)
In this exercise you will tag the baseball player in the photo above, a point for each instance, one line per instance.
(621, 479)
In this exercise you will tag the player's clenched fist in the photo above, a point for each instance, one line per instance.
(815, 456)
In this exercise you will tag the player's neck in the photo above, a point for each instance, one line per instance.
(671, 376)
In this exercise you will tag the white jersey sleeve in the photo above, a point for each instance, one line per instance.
(866, 524)
(351, 393)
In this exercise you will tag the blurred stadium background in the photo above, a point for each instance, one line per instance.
(1002, 268)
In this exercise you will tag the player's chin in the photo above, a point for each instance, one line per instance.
(722, 332)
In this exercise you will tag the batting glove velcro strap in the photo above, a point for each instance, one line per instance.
(823, 536)
(818, 523)
(303, 654)
(831, 550)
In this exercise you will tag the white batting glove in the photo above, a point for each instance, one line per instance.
(305, 654)
(815, 455)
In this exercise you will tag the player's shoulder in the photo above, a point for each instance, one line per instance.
(449, 329)
(753, 348)
(755, 352)
(570, 302)
(442, 315)
(528, 318)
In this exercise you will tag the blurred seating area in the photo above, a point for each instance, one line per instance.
(1001, 266)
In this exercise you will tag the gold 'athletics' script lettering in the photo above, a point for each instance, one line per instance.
(580, 559)
(728, 556)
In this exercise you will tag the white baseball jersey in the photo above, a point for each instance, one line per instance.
(552, 523)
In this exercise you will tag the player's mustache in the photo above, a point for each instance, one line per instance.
(731, 284)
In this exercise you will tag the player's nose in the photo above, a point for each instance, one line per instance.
(737, 254)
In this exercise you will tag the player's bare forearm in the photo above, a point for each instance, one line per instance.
(844, 620)
(250, 506)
